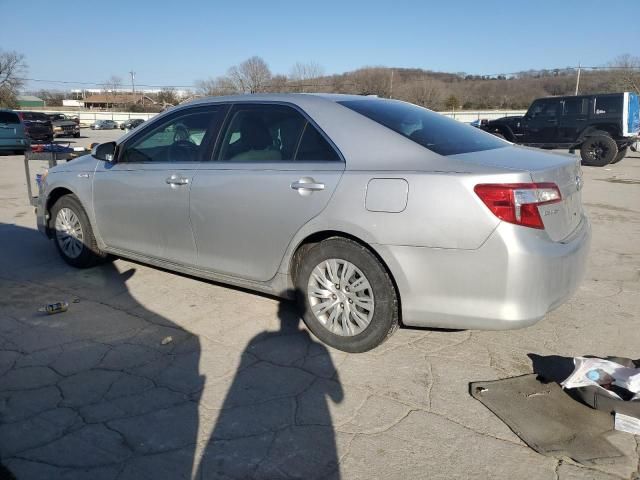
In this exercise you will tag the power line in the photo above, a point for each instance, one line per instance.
(294, 84)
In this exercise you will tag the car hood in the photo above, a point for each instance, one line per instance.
(86, 163)
(62, 123)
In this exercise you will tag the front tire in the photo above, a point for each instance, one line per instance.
(347, 297)
(73, 234)
(598, 151)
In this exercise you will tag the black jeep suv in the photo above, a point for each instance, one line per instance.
(601, 126)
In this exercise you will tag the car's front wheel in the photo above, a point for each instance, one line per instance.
(73, 234)
(347, 296)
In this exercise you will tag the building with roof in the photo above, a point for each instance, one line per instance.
(29, 101)
(110, 100)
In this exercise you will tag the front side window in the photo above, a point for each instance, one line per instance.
(440, 134)
(261, 133)
(545, 108)
(180, 139)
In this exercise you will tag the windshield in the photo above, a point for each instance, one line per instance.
(436, 132)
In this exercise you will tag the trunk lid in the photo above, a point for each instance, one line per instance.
(562, 218)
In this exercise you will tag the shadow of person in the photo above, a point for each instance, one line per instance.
(94, 391)
(275, 421)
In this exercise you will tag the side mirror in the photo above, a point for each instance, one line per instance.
(104, 151)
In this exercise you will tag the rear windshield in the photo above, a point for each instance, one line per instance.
(35, 116)
(9, 117)
(436, 132)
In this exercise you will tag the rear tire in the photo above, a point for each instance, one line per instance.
(362, 317)
(621, 154)
(598, 151)
(73, 235)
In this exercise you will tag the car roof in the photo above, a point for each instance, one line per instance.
(364, 143)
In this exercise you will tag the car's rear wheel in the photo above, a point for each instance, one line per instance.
(73, 234)
(348, 298)
(621, 154)
(598, 151)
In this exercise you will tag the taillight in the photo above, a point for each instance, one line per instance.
(518, 202)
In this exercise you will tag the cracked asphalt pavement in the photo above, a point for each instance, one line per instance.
(242, 390)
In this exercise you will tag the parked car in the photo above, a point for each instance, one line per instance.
(131, 123)
(366, 210)
(13, 137)
(602, 126)
(64, 126)
(37, 126)
(104, 125)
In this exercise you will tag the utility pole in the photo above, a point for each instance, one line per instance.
(133, 83)
(391, 85)
(578, 80)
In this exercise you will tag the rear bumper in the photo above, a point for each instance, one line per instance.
(511, 281)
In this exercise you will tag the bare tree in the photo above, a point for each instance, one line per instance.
(626, 73)
(251, 76)
(167, 97)
(373, 81)
(12, 70)
(215, 87)
(111, 87)
(305, 77)
(112, 84)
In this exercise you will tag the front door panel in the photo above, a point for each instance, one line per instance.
(137, 209)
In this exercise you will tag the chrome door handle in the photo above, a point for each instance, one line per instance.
(176, 180)
(307, 183)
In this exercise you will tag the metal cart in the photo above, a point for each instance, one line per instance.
(47, 160)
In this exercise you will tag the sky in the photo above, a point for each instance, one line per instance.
(178, 42)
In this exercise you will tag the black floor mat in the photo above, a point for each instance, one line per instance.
(549, 420)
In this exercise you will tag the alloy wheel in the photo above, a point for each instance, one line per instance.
(340, 297)
(69, 233)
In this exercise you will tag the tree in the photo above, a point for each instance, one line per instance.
(626, 73)
(305, 76)
(52, 98)
(215, 87)
(251, 76)
(113, 84)
(168, 96)
(12, 70)
(111, 87)
(451, 103)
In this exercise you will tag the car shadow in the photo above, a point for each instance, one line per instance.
(110, 387)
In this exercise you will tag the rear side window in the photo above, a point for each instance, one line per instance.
(608, 105)
(9, 117)
(261, 133)
(313, 147)
(433, 131)
(575, 106)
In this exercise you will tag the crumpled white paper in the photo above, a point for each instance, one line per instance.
(628, 378)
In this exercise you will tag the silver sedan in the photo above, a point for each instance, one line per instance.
(369, 212)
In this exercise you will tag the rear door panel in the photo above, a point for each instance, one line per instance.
(244, 215)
